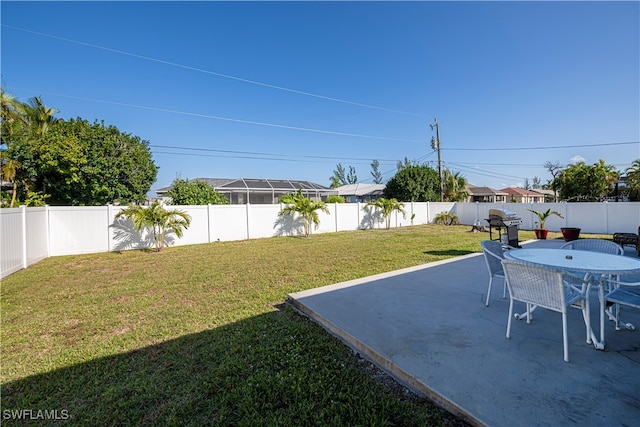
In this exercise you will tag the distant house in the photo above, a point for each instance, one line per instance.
(356, 193)
(549, 195)
(486, 195)
(520, 195)
(260, 191)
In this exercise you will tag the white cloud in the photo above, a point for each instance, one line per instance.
(578, 158)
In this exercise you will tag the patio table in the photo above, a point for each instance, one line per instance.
(596, 264)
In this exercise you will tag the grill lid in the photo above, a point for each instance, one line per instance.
(502, 213)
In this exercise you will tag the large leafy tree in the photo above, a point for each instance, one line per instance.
(185, 192)
(587, 183)
(414, 183)
(24, 126)
(305, 207)
(387, 206)
(71, 162)
(158, 220)
(82, 163)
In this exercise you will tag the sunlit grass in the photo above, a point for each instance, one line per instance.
(199, 335)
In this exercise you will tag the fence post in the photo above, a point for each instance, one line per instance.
(335, 210)
(47, 230)
(209, 227)
(248, 232)
(109, 216)
(23, 218)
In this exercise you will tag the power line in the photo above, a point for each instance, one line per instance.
(207, 116)
(267, 154)
(226, 76)
(485, 173)
(249, 157)
(609, 144)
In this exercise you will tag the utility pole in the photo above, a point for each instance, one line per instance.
(435, 144)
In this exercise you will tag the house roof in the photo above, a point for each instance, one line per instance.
(484, 191)
(545, 192)
(256, 185)
(361, 189)
(515, 191)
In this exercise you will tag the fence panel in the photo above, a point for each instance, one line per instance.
(36, 235)
(78, 230)
(263, 221)
(228, 222)
(421, 212)
(12, 243)
(327, 221)
(347, 216)
(623, 217)
(436, 207)
(590, 217)
(198, 231)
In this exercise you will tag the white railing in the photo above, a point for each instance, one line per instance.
(28, 235)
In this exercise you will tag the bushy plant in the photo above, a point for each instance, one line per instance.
(158, 219)
(335, 199)
(446, 218)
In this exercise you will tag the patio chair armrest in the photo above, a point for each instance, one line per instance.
(572, 280)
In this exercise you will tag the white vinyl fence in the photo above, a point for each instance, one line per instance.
(28, 235)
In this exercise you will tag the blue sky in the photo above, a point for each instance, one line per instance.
(287, 90)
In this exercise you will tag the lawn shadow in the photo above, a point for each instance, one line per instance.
(372, 217)
(262, 370)
(289, 225)
(128, 237)
(449, 252)
(202, 379)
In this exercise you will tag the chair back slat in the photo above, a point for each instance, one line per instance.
(595, 245)
(493, 254)
(535, 284)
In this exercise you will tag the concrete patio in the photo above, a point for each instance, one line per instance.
(429, 328)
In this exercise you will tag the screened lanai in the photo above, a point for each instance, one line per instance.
(261, 191)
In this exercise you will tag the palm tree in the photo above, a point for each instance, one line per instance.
(158, 219)
(454, 187)
(305, 207)
(632, 174)
(8, 173)
(388, 206)
(39, 116)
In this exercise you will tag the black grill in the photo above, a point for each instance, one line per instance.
(504, 219)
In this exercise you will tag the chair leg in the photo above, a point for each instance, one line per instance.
(504, 289)
(509, 321)
(565, 341)
(489, 291)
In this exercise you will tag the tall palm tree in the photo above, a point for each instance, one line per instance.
(454, 187)
(12, 113)
(387, 206)
(632, 174)
(158, 219)
(8, 173)
(305, 207)
(39, 116)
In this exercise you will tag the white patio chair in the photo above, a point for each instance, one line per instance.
(622, 293)
(602, 246)
(493, 256)
(540, 286)
(595, 245)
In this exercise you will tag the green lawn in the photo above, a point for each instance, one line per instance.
(200, 334)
